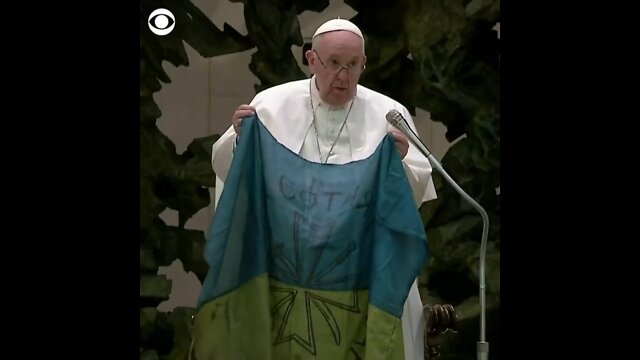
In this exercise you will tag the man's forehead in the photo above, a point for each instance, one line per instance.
(340, 43)
(337, 54)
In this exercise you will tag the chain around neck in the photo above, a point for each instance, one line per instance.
(313, 111)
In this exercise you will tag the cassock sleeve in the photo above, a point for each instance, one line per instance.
(222, 152)
(418, 169)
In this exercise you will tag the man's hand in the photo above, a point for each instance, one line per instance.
(402, 144)
(242, 111)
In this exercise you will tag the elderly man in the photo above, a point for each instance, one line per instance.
(331, 119)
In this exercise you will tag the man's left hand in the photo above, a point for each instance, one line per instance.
(402, 144)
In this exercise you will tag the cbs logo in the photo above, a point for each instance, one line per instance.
(161, 22)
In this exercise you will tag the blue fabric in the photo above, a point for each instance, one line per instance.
(316, 226)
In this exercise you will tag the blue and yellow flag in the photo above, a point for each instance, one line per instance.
(308, 260)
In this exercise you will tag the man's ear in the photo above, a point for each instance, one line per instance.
(310, 58)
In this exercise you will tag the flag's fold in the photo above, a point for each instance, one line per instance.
(308, 260)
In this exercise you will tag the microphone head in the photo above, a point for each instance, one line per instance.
(394, 117)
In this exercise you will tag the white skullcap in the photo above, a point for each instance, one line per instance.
(338, 24)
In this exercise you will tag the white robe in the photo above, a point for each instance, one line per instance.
(286, 112)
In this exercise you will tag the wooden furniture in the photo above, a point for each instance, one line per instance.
(439, 319)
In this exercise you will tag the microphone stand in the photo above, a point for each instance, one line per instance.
(482, 346)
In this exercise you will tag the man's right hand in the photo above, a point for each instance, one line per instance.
(242, 111)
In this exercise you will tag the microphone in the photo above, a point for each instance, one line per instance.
(395, 118)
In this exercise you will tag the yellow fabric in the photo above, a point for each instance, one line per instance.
(299, 323)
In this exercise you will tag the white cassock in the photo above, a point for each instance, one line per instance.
(286, 112)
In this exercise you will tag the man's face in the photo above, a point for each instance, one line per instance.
(337, 62)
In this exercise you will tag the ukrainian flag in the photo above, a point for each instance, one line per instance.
(308, 260)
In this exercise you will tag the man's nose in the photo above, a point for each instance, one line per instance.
(343, 74)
